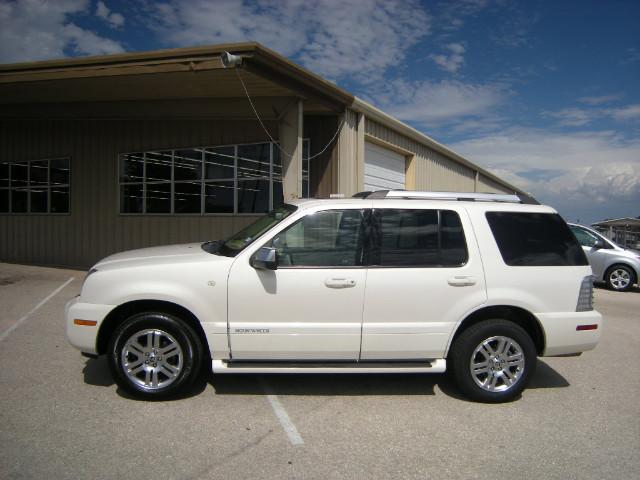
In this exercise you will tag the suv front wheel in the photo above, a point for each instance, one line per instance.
(493, 361)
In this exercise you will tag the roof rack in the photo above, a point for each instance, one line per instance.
(460, 196)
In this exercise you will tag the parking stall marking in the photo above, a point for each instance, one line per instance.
(286, 423)
(24, 318)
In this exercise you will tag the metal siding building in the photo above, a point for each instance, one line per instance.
(91, 114)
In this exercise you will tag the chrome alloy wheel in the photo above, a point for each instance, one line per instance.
(619, 278)
(497, 364)
(152, 359)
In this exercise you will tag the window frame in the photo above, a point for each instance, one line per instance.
(204, 181)
(28, 187)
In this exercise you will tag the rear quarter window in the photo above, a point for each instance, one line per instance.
(535, 240)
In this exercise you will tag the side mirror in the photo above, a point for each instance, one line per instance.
(265, 259)
(598, 244)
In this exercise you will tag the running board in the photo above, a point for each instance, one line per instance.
(424, 366)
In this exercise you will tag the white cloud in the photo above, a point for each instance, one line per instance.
(576, 117)
(433, 104)
(599, 99)
(630, 112)
(579, 172)
(335, 38)
(115, 20)
(38, 30)
(452, 61)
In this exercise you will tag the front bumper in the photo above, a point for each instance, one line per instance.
(84, 337)
(562, 336)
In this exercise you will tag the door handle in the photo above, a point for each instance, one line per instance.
(462, 281)
(340, 282)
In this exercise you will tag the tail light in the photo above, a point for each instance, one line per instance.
(585, 298)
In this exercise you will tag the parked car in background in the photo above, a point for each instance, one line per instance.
(618, 267)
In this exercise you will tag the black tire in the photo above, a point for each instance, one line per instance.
(129, 350)
(620, 278)
(511, 380)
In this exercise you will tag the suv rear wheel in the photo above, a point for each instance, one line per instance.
(620, 278)
(493, 361)
(154, 355)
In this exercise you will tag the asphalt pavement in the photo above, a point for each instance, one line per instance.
(62, 416)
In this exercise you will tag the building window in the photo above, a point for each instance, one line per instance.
(243, 178)
(35, 186)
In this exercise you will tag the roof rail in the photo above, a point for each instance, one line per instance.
(460, 196)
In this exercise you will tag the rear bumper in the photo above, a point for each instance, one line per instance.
(84, 337)
(562, 336)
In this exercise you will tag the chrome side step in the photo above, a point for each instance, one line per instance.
(431, 366)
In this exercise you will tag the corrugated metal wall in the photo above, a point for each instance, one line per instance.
(95, 228)
(433, 170)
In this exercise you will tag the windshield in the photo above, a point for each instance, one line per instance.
(245, 237)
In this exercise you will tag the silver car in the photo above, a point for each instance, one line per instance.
(618, 267)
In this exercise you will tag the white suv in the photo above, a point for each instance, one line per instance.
(383, 282)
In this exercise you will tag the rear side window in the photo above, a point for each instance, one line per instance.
(417, 238)
(535, 240)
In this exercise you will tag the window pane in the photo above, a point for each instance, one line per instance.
(131, 167)
(253, 196)
(278, 198)
(158, 166)
(407, 238)
(218, 197)
(4, 201)
(187, 197)
(323, 239)
(277, 162)
(39, 200)
(60, 200)
(585, 238)
(131, 198)
(535, 239)
(219, 163)
(39, 173)
(19, 200)
(188, 164)
(158, 197)
(453, 247)
(19, 174)
(4, 174)
(59, 173)
(253, 160)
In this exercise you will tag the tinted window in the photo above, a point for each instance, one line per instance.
(585, 238)
(535, 239)
(417, 238)
(330, 238)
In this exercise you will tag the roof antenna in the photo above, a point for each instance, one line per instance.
(230, 60)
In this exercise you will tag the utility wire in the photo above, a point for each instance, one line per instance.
(246, 92)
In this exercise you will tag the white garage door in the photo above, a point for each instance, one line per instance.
(383, 169)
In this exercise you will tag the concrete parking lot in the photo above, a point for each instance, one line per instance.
(63, 417)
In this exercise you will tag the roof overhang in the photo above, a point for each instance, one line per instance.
(169, 74)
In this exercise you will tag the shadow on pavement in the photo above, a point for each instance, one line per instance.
(547, 377)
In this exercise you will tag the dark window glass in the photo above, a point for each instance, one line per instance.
(158, 197)
(535, 239)
(39, 173)
(330, 238)
(158, 166)
(188, 164)
(4, 201)
(453, 247)
(59, 199)
(19, 174)
(131, 198)
(187, 197)
(585, 238)
(417, 238)
(219, 163)
(59, 174)
(19, 200)
(131, 167)
(277, 162)
(218, 197)
(253, 196)
(4, 174)
(253, 160)
(39, 200)
(278, 198)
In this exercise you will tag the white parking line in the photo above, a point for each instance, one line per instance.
(288, 426)
(22, 319)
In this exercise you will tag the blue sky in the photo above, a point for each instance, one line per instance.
(543, 93)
